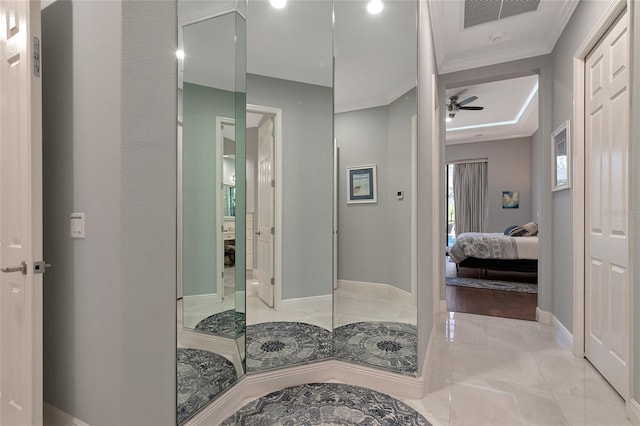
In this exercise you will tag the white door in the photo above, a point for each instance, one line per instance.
(607, 286)
(20, 214)
(265, 212)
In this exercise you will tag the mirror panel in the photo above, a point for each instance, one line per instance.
(211, 202)
(290, 146)
(375, 132)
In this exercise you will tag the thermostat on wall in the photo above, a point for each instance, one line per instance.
(399, 195)
(77, 225)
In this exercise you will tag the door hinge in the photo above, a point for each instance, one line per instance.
(273, 230)
(222, 274)
(40, 267)
(273, 183)
(36, 56)
(273, 281)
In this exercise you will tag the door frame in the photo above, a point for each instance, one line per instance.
(590, 41)
(220, 121)
(276, 113)
(605, 22)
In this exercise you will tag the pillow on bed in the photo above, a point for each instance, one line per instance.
(509, 229)
(527, 230)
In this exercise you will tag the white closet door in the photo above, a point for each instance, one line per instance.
(607, 286)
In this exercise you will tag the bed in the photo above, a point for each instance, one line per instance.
(498, 252)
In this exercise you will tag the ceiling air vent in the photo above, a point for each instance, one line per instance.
(478, 12)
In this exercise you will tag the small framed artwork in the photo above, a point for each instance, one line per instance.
(561, 151)
(510, 199)
(361, 184)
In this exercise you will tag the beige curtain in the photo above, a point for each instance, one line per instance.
(470, 196)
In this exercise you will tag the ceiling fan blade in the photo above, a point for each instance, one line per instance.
(472, 108)
(467, 101)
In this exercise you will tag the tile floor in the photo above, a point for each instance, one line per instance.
(497, 371)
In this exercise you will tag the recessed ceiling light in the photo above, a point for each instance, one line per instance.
(180, 54)
(375, 6)
(278, 4)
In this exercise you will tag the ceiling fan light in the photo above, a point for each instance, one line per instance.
(375, 6)
(278, 4)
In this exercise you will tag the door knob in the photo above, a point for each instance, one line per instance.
(20, 268)
(258, 233)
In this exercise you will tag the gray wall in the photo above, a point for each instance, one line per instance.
(109, 301)
(201, 106)
(307, 176)
(364, 229)
(374, 240)
(428, 191)
(584, 18)
(542, 66)
(509, 169)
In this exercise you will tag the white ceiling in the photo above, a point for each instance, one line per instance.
(376, 54)
(516, 37)
(511, 110)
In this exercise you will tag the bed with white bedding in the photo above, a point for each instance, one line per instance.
(493, 251)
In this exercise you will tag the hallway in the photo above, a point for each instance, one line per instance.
(496, 371)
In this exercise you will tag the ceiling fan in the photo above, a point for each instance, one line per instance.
(454, 106)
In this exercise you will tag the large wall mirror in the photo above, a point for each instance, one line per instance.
(211, 152)
(298, 193)
(289, 196)
(375, 204)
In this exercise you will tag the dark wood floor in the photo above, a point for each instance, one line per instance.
(505, 304)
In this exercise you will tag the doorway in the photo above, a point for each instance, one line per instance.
(488, 190)
(264, 215)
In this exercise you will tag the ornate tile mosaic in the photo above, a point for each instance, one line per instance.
(229, 323)
(326, 404)
(280, 344)
(201, 377)
(390, 345)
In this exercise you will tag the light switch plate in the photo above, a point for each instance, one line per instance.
(77, 225)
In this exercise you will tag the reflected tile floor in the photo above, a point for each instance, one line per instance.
(497, 371)
(315, 311)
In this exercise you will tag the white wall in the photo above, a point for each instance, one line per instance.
(509, 169)
(109, 120)
(427, 189)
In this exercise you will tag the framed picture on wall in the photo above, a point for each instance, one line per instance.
(361, 184)
(561, 151)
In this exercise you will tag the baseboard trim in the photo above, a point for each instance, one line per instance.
(633, 412)
(562, 330)
(224, 346)
(430, 345)
(385, 289)
(443, 306)
(53, 416)
(325, 298)
(543, 317)
(253, 386)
